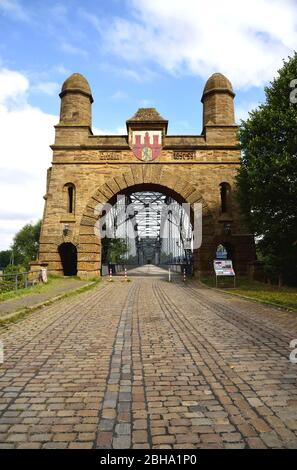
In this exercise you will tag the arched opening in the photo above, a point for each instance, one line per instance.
(68, 255)
(225, 192)
(147, 224)
(69, 189)
(149, 178)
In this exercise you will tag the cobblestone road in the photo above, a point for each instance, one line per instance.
(148, 364)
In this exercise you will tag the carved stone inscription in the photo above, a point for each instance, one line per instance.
(184, 156)
(109, 156)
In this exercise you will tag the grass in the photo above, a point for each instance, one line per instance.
(285, 297)
(40, 288)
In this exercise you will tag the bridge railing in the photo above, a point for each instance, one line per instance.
(16, 281)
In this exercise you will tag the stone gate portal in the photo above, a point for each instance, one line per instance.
(89, 169)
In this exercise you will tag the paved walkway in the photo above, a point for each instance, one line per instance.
(148, 364)
(35, 298)
(151, 271)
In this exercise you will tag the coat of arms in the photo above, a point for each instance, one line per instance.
(146, 145)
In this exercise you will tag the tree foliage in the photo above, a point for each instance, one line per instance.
(25, 244)
(5, 257)
(267, 180)
(114, 250)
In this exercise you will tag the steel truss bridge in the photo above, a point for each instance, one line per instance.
(156, 229)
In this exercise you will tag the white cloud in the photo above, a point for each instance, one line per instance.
(146, 103)
(242, 110)
(26, 133)
(48, 88)
(59, 12)
(119, 95)
(141, 74)
(246, 40)
(13, 86)
(14, 9)
(61, 69)
(73, 50)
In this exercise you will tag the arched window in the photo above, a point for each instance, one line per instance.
(225, 190)
(70, 197)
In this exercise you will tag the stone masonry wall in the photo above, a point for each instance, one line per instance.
(100, 167)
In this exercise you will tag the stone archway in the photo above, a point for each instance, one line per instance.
(89, 245)
(68, 255)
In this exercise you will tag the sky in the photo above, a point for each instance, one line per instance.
(134, 53)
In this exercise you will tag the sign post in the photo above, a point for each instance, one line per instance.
(223, 268)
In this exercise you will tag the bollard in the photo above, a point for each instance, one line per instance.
(126, 278)
(110, 275)
(184, 275)
(169, 275)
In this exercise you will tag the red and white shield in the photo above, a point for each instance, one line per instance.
(146, 145)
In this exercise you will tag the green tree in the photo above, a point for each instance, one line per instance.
(25, 244)
(114, 250)
(267, 180)
(5, 257)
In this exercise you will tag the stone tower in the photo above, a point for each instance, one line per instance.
(217, 99)
(76, 102)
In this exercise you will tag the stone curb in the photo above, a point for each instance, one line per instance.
(265, 302)
(12, 317)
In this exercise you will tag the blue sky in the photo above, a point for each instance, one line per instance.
(134, 53)
(46, 41)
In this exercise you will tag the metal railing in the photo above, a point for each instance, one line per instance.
(16, 281)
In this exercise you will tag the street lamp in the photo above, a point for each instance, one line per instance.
(66, 230)
(227, 229)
